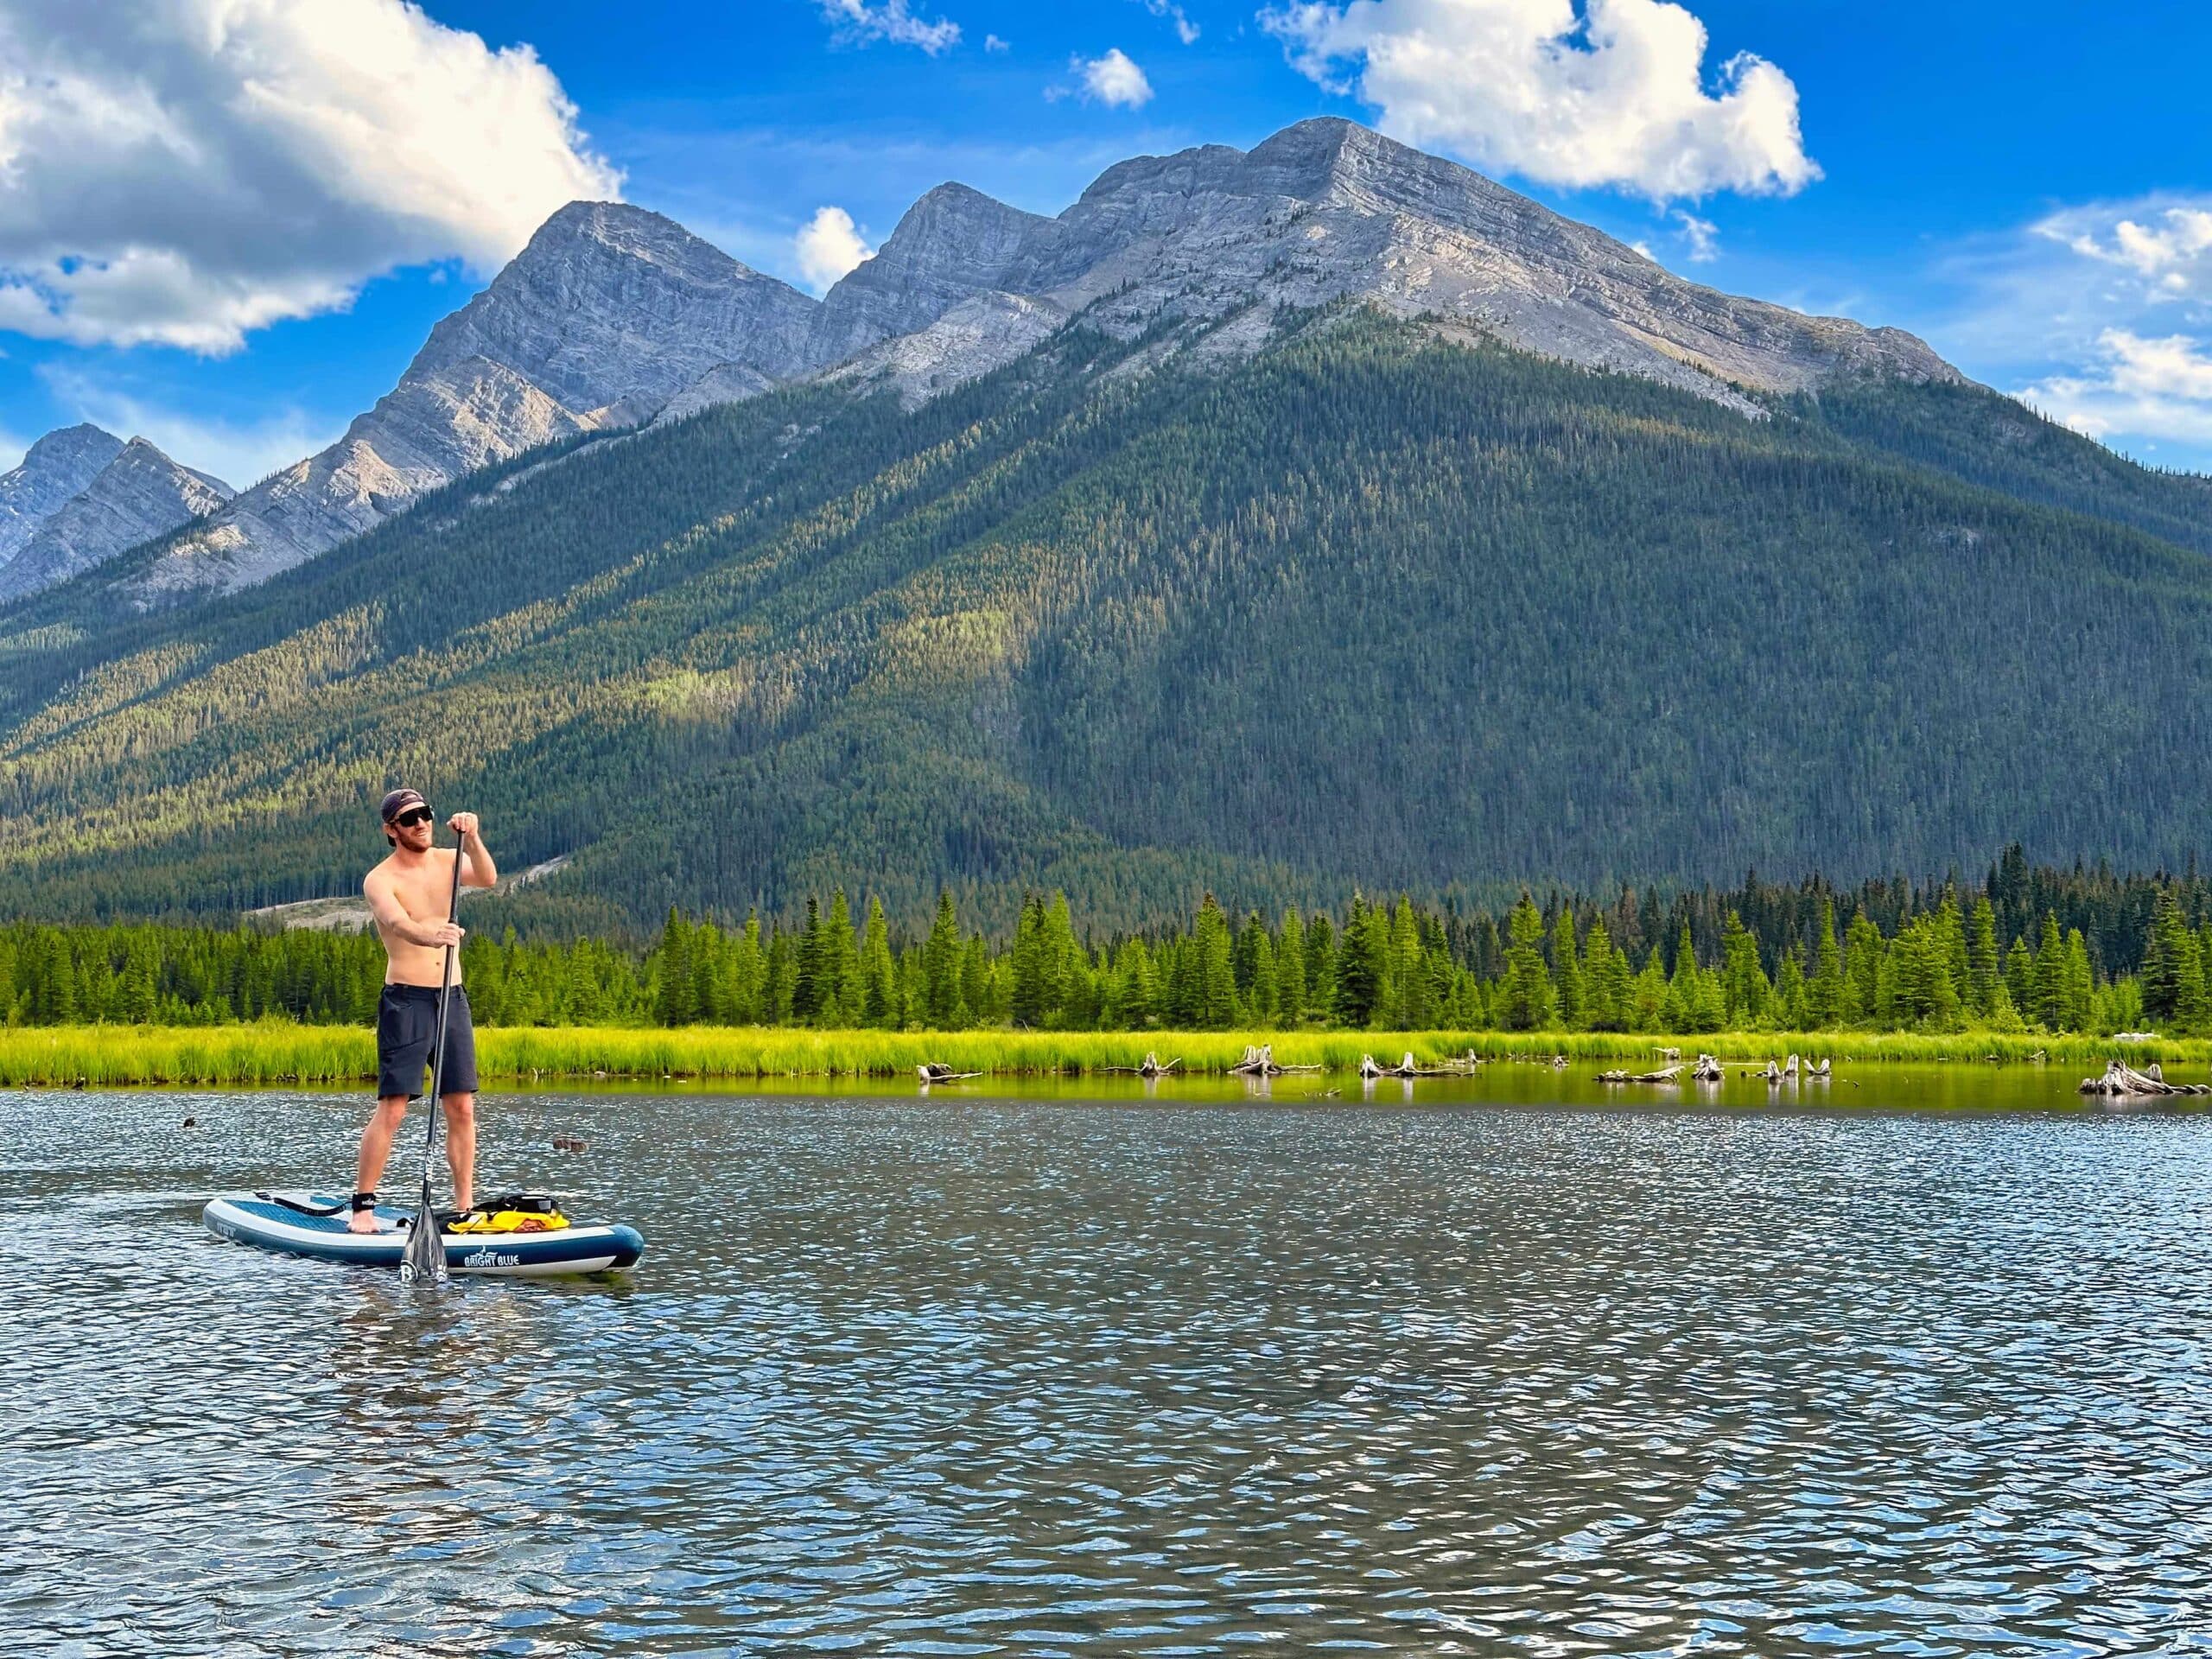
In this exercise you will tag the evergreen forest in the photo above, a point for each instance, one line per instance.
(1375, 608)
(2025, 949)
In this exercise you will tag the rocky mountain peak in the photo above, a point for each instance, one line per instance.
(54, 469)
(74, 446)
(607, 313)
(599, 280)
(614, 314)
(140, 493)
(953, 244)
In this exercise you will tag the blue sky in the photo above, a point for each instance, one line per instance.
(208, 254)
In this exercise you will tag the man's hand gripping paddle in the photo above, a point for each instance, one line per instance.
(425, 1261)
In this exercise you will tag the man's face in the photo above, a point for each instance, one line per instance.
(411, 829)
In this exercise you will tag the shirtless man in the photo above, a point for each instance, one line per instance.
(407, 894)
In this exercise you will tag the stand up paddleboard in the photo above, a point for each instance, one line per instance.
(288, 1223)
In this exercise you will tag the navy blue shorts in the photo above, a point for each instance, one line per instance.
(407, 1031)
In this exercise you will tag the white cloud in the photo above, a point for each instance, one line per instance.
(1611, 94)
(2098, 314)
(889, 20)
(993, 43)
(239, 452)
(828, 246)
(2172, 254)
(12, 450)
(1113, 80)
(1186, 30)
(186, 171)
(2139, 386)
(1702, 235)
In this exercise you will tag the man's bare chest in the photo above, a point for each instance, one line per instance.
(421, 894)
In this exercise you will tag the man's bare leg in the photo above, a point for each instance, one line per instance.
(461, 1149)
(376, 1152)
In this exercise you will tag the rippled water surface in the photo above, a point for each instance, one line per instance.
(1040, 1377)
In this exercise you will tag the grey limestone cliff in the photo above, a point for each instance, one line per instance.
(141, 493)
(609, 312)
(1323, 211)
(613, 315)
(951, 245)
(57, 466)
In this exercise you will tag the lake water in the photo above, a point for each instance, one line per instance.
(980, 1376)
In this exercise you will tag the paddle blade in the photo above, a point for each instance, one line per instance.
(424, 1262)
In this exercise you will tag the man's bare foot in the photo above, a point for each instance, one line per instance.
(363, 1221)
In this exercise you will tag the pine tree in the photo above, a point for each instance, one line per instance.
(1254, 960)
(2173, 980)
(1215, 979)
(839, 967)
(1321, 967)
(1290, 972)
(2020, 979)
(1363, 966)
(977, 1002)
(2081, 984)
(1744, 984)
(1788, 1003)
(1982, 977)
(1862, 957)
(1139, 996)
(1409, 994)
(1062, 963)
(1567, 972)
(1033, 974)
(941, 998)
(1529, 997)
(1648, 995)
(879, 974)
(1824, 992)
(675, 1002)
(2049, 994)
(1606, 980)
(812, 989)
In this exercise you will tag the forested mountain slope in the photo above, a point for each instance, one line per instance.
(1376, 606)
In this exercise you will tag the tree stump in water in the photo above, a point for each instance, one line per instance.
(1151, 1068)
(2121, 1079)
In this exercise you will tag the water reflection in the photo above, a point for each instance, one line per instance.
(970, 1376)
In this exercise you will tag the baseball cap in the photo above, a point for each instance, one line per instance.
(399, 801)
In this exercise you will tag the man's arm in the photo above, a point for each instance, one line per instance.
(392, 918)
(477, 869)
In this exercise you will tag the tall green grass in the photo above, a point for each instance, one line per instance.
(272, 1052)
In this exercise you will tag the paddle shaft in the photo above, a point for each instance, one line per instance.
(445, 1001)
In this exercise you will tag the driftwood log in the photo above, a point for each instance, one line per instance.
(1370, 1068)
(2122, 1079)
(931, 1071)
(1664, 1074)
(1674, 1054)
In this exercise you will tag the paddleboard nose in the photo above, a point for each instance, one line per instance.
(630, 1244)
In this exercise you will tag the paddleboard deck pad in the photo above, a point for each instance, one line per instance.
(257, 1218)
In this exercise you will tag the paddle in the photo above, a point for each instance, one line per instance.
(425, 1258)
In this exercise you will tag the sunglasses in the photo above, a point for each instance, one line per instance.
(412, 817)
